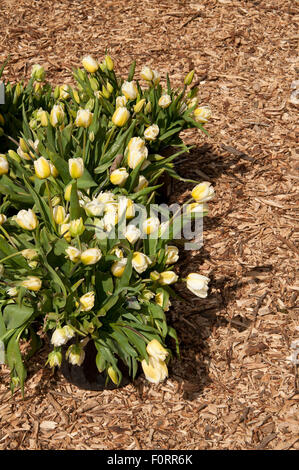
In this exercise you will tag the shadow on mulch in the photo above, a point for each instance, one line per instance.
(194, 326)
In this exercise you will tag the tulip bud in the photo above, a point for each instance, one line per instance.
(84, 118)
(74, 254)
(202, 114)
(64, 230)
(77, 227)
(91, 136)
(12, 154)
(56, 115)
(75, 355)
(4, 166)
(64, 92)
(43, 118)
(151, 132)
(140, 262)
(12, 292)
(147, 294)
(155, 371)
(55, 201)
(3, 218)
(203, 192)
(117, 252)
(142, 183)
(106, 197)
(132, 233)
(90, 64)
(148, 108)
(120, 116)
(17, 93)
(91, 256)
(32, 283)
(2, 120)
(33, 124)
(172, 254)
(23, 155)
(147, 74)
(30, 254)
(87, 301)
(27, 219)
(23, 145)
(38, 73)
(42, 168)
(109, 63)
(105, 92)
(155, 276)
(164, 101)
(109, 87)
(119, 177)
(121, 102)
(159, 298)
(113, 375)
(1, 270)
(118, 267)
(151, 225)
(59, 337)
(138, 106)
(156, 350)
(54, 359)
(82, 75)
(67, 192)
(129, 89)
(53, 170)
(156, 78)
(69, 331)
(168, 277)
(192, 102)
(56, 92)
(130, 211)
(137, 152)
(189, 78)
(76, 167)
(94, 208)
(110, 219)
(76, 96)
(198, 284)
(94, 83)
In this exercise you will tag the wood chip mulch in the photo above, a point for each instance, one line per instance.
(233, 388)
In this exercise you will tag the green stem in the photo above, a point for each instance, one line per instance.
(10, 256)
(79, 242)
(59, 138)
(84, 144)
(7, 236)
(108, 140)
(50, 203)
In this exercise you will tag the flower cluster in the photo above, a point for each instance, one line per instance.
(82, 255)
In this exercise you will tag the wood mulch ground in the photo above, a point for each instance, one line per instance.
(233, 388)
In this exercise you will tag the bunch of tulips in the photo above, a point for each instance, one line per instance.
(83, 256)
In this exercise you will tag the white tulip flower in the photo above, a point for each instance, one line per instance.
(203, 192)
(140, 262)
(152, 132)
(198, 284)
(27, 219)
